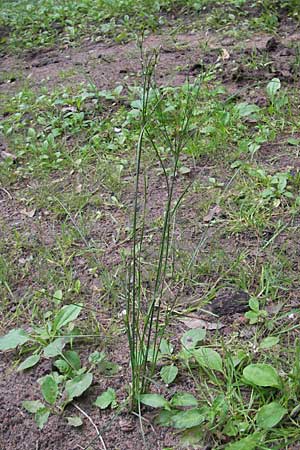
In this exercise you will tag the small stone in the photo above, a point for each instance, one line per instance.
(126, 425)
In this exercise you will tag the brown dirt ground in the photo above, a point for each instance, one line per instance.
(108, 65)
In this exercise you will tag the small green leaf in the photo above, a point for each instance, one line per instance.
(293, 141)
(231, 429)
(262, 375)
(191, 437)
(31, 132)
(32, 406)
(152, 354)
(67, 314)
(77, 286)
(188, 419)
(185, 355)
(250, 443)
(183, 399)
(252, 317)
(253, 147)
(254, 304)
(273, 87)
(236, 164)
(29, 362)
(73, 359)
(207, 357)
(137, 104)
(245, 109)
(168, 373)
(96, 357)
(62, 366)
(270, 415)
(235, 427)
(288, 194)
(183, 170)
(74, 421)
(191, 337)
(154, 400)
(41, 417)
(165, 347)
(108, 368)
(58, 295)
(269, 342)
(107, 398)
(55, 348)
(117, 90)
(49, 389)
(165, 418)
(238, 358)
(57, 378)
(12, 339)
(78, 385)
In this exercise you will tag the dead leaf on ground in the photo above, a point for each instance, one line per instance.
(274, 308)
(28, 212)
(7, 155)
(70, 109)
(200, 323)
(212, 213)
(225, 54)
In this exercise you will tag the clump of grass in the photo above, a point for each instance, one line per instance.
(145, 322)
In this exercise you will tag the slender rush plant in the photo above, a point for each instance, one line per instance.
(145, 330)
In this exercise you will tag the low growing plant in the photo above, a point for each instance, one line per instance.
(46, 341)
(241, 401)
